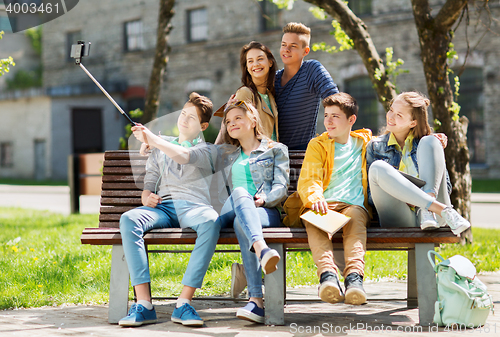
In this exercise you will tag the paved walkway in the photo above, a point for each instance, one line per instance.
(311, 318)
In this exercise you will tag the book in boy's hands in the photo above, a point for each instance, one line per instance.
(330, 222)
(416, 181)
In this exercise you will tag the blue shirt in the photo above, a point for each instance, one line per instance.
(298, 102)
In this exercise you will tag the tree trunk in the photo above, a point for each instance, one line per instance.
(435, 38)
(356, 29)
(160, 62)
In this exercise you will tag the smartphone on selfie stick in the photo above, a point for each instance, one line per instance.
(82, 49)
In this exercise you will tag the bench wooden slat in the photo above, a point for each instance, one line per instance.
(122, 193)
(109, 224)
(122, 186)
(121, 201)
(123, 154)
(115, 209)
(120, 178)
(125, 162)
(118, 170)
(384, 237)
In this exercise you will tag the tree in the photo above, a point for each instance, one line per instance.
(435, 36)
(160, 61)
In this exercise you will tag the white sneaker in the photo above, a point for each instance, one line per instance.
(456, 222)
(427, 219)
(238, 279)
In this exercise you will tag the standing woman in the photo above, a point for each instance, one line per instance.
(409, 147)
(258, 70)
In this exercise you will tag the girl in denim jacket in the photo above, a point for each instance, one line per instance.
(408, 147)
(254, 175)
(258, 172)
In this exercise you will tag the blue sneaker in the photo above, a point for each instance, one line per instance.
(138, 315)
(251, 312)
(186, 315)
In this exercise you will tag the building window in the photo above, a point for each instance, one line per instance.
(197, 25)
(6, 155)
(471, 102)
(71, 39)
(361, 88)
(361, 7)
(134, 36)
(271, 15)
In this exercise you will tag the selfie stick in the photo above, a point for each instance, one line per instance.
(107, 95)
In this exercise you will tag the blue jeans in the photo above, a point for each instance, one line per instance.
(170, 214)
(240, 212)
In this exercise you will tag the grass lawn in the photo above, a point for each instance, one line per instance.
(486, 186)
(43, 263)
(8, 181)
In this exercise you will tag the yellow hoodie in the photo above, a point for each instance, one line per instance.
(315, 175)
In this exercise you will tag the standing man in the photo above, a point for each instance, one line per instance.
(300, 88)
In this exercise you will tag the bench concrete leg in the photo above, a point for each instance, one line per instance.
(118, 286)
(275, 290)
(426, 284)
(411, 293)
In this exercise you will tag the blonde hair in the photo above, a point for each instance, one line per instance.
(418, 104)
(252, 114)
(301, 30)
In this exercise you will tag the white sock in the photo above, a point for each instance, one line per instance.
(181, 301)
(146, 304)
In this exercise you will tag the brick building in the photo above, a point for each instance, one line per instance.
(204, 57)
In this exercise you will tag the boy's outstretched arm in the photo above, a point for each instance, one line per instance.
(177, 153)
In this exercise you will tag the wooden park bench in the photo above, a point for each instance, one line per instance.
(121, 193)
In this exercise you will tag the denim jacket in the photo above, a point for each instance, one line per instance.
(269, 164)
(378, 149)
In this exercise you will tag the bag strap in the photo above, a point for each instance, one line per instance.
(429, 256)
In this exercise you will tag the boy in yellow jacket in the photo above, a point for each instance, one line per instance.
(334, 176)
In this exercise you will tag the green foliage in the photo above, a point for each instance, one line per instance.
(455, 107)
(437, 124)
(393, 68)
(137, 113)
(25, 79)
(283, 4)
(451, 55)
(210, 134)
(35, 37)
(318, 13)
(344, 41)
(6, 63)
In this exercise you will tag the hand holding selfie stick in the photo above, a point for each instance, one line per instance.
(82, 49)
